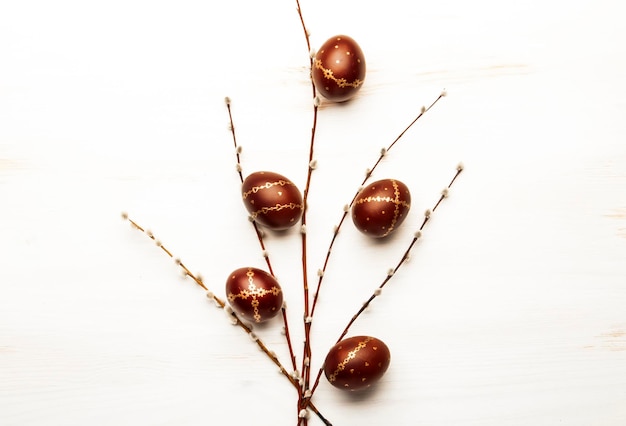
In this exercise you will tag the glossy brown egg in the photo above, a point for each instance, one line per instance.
(339, 68)
(357, 362)
(272, 200)
(254, 294)
(381, 207)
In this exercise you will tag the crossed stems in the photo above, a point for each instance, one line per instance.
(301, 382)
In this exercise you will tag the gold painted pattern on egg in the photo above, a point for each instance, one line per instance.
(277, 207)
(395, 200)
(341, 82)
(351, 355)
(255, 293)
(267, 185)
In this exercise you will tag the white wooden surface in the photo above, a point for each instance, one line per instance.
(512, 310)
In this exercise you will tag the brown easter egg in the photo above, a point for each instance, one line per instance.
(356, 363)
(338, 69)
(254, 294)
(272, 200)
(381, 207)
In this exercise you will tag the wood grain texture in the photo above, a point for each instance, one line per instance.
(511, 310)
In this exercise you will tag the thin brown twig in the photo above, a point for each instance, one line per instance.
(306, 352)
(239, 169)
(231, 127)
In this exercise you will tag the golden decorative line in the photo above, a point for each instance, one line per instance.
(396, 211)
(267, 185)
(351, 355)
(255, 293)
(329, 75)
(277, 207)
(379, 198)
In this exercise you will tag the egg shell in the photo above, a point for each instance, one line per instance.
(356, 363)
(272, 200)
(381, 207)
(338, 69)
(254, 294)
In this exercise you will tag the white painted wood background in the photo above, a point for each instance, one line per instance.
(512, 310)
